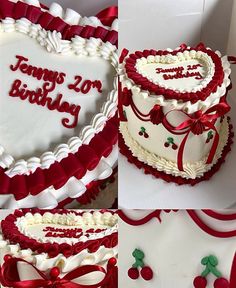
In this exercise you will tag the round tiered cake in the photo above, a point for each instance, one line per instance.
(58, 124)
(173, 106)
(59, 245)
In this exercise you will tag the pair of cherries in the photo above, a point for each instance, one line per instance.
(201, 282)
(139, 268)
(210, 263)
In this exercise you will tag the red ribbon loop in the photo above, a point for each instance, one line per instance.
(108, 15)
(197, 123)
(9, 276)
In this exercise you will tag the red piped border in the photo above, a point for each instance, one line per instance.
(220, 216)
(192, 213)
(11, 233)
(193, 97)
(85, 159)
(177, 179)
(200, 223)
(35, 14)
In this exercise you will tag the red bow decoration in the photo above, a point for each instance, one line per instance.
(198, 123)
(10, 278)
(108, 15)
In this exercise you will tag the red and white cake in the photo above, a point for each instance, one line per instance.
(51, 248)
(175, 123)
(58, 127)
(180, 249)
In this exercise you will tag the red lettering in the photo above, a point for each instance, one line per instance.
(85, 86)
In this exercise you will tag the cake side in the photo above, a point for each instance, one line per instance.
(177, 115)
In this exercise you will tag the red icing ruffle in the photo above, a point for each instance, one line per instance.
(176, 179)
(85, 159)
(93, 190)
(34, 14)
(10, 232)
(146, 84)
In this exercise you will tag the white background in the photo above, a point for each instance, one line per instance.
(168, 23)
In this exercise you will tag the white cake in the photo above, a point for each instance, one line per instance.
(175, 104)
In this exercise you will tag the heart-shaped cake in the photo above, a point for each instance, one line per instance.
(174, 105)
(58, 102)
(78, 243)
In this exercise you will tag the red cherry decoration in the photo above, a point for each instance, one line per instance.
(140, 133)
(147, 273)
(174, 146)
(166, 144)
(133, 273)
(7, 257)
(146, 135)
(221, 283)
(55, 272)
(200, 282)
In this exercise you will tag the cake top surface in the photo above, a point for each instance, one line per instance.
(186, 74)
(64, 232)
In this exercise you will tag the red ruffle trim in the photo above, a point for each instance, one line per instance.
(47, 21)
(92, 192)
(193, 97)
(85, 159)
(10, 232)
(177, 179)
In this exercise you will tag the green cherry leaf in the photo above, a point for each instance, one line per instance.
(138, 254)
(213, 260)
(205, 260)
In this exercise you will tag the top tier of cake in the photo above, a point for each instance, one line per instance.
(187, 77)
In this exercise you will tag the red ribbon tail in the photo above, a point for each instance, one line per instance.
(181, 152)
(108, 15)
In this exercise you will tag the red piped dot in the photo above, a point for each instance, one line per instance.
(55, 272)
(7, 257)
(200, 282)
(221, 283)
(147, 273)
(133, 273)
(112, 261)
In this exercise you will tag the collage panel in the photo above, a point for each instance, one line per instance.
(58, 107)
(59, 144)
(177, 71)
(58, 248)
(184, 248)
